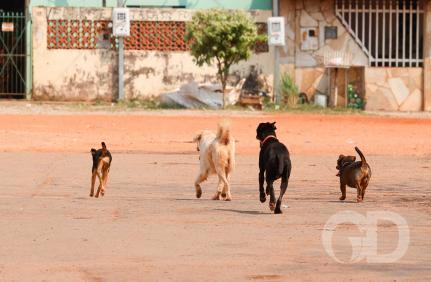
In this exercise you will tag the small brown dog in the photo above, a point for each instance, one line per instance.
(353, 174)
(101, 163)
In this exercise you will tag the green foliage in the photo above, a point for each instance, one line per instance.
(269, 106)
(354, 101)
(221, 36)
(289, 90)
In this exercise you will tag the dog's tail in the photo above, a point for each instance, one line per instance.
(363, 160)
(223, 133)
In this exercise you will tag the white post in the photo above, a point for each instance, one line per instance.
(120, 4)
(275, 13)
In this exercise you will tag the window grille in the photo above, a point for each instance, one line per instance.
(390, 32)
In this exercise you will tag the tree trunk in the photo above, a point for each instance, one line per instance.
(224, 82)
(223, 89)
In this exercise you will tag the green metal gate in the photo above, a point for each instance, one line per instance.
(12, 55)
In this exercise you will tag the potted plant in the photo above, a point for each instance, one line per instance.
(354, 101)
(289, 90)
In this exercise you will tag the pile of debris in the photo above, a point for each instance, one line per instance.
(248, 92)
(197, 96)
(255, 88)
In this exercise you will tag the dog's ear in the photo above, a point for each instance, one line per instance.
(93, 151)
(273, 125)
(341, 157)
(354, 158)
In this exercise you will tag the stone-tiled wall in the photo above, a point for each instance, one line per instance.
(390, 89)
(308, 66)
(394, 89)
(310, 80)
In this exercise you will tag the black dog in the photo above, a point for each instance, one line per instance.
(274, 159)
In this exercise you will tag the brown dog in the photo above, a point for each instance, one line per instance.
(353, 174)
(101, 163)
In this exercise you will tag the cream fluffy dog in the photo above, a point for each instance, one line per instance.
(217, 156)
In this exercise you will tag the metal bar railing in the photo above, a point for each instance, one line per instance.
(12, 54)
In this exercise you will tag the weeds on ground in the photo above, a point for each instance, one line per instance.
(155, 104)
(129, 105)
(269, 106)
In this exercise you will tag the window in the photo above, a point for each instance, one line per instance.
(389, 31)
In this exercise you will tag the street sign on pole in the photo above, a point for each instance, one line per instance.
(121, 22)
(121, 28)
(276, 33)
(276, 83)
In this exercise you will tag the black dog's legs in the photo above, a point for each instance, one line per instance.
(261, 182)
(364, 185)
(343, 191)
(270, 187)
(283, 188)
(359, 194)
(93, 182)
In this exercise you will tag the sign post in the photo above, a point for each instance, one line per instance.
(276, 38)
(121, 28)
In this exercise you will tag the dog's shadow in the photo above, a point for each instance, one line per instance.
(343, 202)
(193, 199)
(244, 212)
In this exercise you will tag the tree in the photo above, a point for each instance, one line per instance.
(223, 36)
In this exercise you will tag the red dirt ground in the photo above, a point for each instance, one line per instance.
(308, 134)
(150, 227)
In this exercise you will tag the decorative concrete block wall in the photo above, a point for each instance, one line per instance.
(90, 73)
(394, 89)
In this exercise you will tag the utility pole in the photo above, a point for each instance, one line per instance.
(276, 83)
(120, 4)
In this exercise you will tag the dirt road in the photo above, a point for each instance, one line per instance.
(172, 132)
(149, 226)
